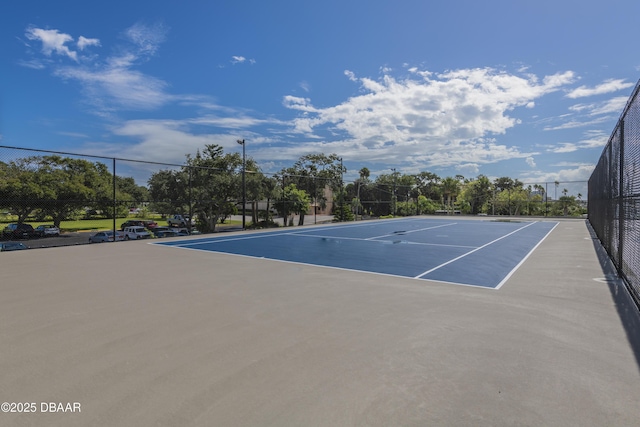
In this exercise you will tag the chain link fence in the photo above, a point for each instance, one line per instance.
(53, 198)
(614, 195)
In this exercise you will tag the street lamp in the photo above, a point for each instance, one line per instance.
(244, 183)
(393, 196)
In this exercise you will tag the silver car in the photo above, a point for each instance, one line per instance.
(12, 246)
(106, 236)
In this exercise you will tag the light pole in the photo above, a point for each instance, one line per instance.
(358, 198)
(244, 183)
(341, 191)
(393, 196)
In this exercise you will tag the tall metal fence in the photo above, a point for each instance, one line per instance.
(614, 195)
(80, 193)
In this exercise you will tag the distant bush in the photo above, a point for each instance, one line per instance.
(263, 224)
(343, 213)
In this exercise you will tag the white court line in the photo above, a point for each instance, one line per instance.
(525, 258)
(206, 241)
(470, 252)
(360, 239)
(411, 231)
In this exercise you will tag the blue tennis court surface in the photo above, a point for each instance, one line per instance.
(482, 253)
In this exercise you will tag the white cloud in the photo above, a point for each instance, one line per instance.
(468, 169)
(297, 103)
(531, 162)
(591, 139)
(157, 140)
(168, 141)
(118, 87)
(613, 105)
(304, 85)
(350, 75)
(52, 42)
(571, 164)
(237, 121)
(579, 173)
(435, 119)
(594, 139)
(241, 59)
(84, 42)
(572, 175)
(578, 108)
(113, 83)
(147, 38)
(564, 147)
(35, 64)
(608, 86)
(572, 124)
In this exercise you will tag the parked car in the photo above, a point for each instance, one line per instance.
(131, 223)
(47, 230)
(179, 221)
(164, 232)
(135, 233)
(184, 231)
(106, 236)
(18, 231)
(149, 224)
(12, 246)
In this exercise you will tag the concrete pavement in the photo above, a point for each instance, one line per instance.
(139, 335)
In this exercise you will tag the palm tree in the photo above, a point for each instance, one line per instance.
(450, 189)
(364, 179)
(543, 195)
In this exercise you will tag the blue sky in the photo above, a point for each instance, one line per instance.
(530, 90)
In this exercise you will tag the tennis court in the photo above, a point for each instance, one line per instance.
(480, 253)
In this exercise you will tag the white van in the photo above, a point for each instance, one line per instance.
(135, 233)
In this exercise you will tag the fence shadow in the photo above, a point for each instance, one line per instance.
(626, 306)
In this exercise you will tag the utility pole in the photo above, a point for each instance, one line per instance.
(244, 183)
(393, 196)
(341, 191)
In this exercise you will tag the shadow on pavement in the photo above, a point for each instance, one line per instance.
(628, 311)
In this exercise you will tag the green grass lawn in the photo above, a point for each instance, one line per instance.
(84, 224)
(92, 224)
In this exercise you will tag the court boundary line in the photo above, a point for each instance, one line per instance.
(508, 276)
(475, 250)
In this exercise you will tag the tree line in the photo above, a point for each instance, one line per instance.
(57, 188)
(427, 193)
(209, 187)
